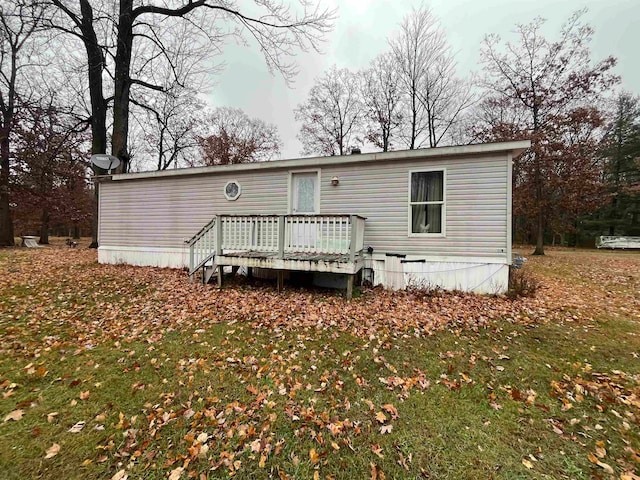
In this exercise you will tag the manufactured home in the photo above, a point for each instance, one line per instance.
(438, 217)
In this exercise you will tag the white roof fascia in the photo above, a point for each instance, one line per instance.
(516, 147)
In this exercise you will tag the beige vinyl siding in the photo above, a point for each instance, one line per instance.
(164, 211)
(476, 205)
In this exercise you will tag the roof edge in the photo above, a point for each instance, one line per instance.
(515, 147)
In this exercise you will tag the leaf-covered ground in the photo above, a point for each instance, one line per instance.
(125, 372)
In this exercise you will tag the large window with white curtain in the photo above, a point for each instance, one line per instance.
(427, 202)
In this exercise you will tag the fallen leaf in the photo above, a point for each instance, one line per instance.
(84, 395)
(386, 429)
(390, 409)
(52, 451)
(120, 475)
(527, 463)
(601, 452)
(606, 467)
(77, 428)
(15, 415)
(51, 416)
(176, 473)
(313, 456)
(381, 417)
(377, 449)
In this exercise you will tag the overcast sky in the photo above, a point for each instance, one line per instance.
(361, 32)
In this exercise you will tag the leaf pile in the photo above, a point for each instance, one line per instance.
(142, 371)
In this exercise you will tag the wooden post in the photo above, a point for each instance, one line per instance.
(352, 240)
(219, 236)
(281, 234)
(249, 272)
(350, 279)
(280, 275)
(220, 275)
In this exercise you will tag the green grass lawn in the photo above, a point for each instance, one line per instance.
(178, 380)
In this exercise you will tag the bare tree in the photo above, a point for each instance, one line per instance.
(233, 138)
(434, 97)
(112, 38)
(381, 96)
(332, 116)
(546, 83)
(19, 22)
(444, 97)
(418, 44)
(169, 126)
(277, 29)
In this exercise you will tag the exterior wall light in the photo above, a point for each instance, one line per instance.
(335, 181)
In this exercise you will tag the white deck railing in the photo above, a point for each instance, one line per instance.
(249, 232)
(279, 234)
(202, 246)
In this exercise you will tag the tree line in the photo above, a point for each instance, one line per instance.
(126, 78)
(580, 178)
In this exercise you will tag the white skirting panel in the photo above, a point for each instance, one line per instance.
(166, 257)
(391, 272)
(477, 277)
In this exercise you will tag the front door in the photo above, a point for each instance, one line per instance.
(304, 201)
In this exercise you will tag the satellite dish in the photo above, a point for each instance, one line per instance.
(104, 161)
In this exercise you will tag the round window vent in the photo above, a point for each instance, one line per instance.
(232, 190)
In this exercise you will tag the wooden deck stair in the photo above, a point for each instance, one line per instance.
(313, 243)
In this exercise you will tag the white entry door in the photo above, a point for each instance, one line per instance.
(304, 201)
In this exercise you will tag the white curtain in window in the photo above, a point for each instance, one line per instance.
(306, 193)
(427, 187)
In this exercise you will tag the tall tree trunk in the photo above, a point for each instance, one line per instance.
(122, 84)
(6, 222)
(96, 63)
(539, 234)
(414, 120)
(44, 227)
(76, 231)
(539, 250)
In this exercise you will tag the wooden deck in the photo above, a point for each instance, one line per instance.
(304, 261)
(310, 243)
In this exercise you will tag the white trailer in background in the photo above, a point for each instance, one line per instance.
(617, 242)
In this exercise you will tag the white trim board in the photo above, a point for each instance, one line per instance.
(509, 207)
(516, 147)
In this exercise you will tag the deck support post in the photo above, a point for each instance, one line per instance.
(220, 275)
(280, 277)
(350, 280)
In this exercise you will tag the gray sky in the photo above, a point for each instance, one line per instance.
(361, 32)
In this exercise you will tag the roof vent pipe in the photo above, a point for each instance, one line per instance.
(355, 151)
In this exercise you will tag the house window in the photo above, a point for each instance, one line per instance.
(232, 190)
(427, 203)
